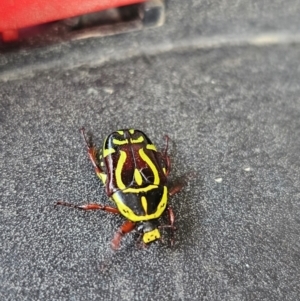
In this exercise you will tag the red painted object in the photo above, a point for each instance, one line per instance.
(16, 14)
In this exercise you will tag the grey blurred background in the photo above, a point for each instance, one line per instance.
(222, 79)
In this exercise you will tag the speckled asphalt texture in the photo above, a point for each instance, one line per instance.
(233, 114)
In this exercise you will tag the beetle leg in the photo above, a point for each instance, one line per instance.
(168, 164)
(125, 228)
(92, 152)
(165, 156)
(180, 183)
(139, 243)
(167, 138)
(175, 189)
(89, 207)
(170, 226)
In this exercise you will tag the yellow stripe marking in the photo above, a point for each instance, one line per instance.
(138, 177)
(138, 140)
(151, 146)
(151, 165)
(151, 236)
(129, 214)
(119, 168)
(120, 142)
(107, 152)
(144, 204)
(131, 131)
(164, 170)
(138, 190)
(121, 132)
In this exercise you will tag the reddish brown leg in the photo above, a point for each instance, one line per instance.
(166, 157)
(91, 152)
(89, 207)
(125, 228)
(170, 226)
(176, 188)
(180, 183)
(167, 138)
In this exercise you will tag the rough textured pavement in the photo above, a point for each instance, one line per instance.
(233, 114)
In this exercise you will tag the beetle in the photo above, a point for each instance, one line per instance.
(135, 176)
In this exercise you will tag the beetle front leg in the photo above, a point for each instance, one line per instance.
(89, 207)
(125, 228)
(92, 155)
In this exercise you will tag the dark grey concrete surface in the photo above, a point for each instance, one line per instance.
(233, 113)
(234, 116)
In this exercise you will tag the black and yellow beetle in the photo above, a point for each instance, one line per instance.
(135, 177)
